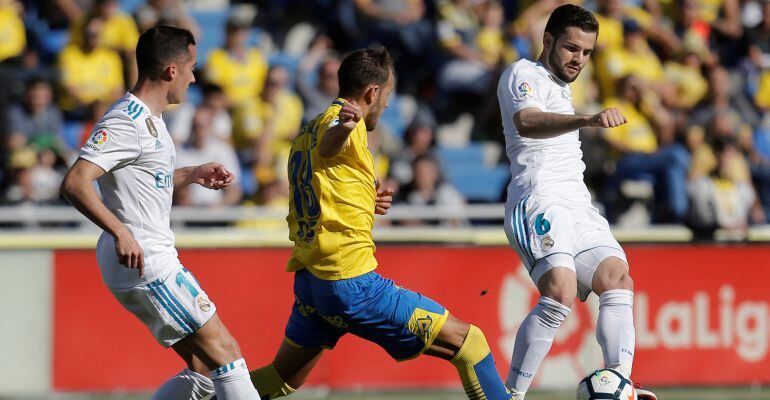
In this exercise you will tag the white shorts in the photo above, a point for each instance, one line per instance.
(172, 307)
(562, 233)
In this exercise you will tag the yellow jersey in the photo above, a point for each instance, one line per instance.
(240, 79)
(331, 202)
(12, 36)
(95, 76)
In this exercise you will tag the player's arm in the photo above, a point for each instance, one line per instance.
(336, 138)
(211, 175)
(536, 124)
(77, 187)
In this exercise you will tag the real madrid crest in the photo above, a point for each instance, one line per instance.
(547, 242)
(151, 127)
(203, 302)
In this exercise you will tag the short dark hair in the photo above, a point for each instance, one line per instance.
(362, 68)
(161, 46)
(570, 15)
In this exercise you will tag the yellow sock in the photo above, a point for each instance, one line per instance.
(269, 384)
(476, 366)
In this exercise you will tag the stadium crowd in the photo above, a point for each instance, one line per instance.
(691, 76)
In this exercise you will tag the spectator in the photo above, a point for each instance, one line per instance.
(238, 68)
(396, 24)
(270, 122)
(723, 199)
(634, 58)
(203, 148)
(179, 119)
(37, 120)
(467, 70)
(13, 38)
(646, 150)
(34, 178)
(120, 32)
(759, 160)
(419, 140)
(90, 72)
(165, 12)
(758, 40)
(318, 93)
(427, 188)
(722, 99)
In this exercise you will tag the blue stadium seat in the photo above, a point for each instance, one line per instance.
(393, 118)
(71, 132)
(130, 5)
(471, 156)
(465, 169)
(212, 23)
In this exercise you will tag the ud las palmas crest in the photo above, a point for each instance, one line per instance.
(151, 127)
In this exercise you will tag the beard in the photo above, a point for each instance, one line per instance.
(558, 69)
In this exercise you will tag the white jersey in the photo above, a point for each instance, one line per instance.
(136, 150)
(549, 168)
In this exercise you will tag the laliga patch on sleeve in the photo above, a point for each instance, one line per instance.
(525, 90)
(98, 140)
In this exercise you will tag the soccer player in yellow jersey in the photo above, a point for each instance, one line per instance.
(333, 200)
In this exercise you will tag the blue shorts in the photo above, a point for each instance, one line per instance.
(402, 322)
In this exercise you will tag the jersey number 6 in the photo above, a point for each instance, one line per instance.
(542, 225)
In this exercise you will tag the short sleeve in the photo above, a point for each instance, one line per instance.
(113, 142)
(525, 89)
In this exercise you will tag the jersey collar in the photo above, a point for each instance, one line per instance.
(551, 74)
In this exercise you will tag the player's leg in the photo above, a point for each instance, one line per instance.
(307, 335)
(558, 288)
(218, 351)
(288, 371)
(407, 324)
(465, 346)
(541, 234)
(192, 383)
(606, 270)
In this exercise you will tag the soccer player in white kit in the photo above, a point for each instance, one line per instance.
(131, 155)
(561, 238)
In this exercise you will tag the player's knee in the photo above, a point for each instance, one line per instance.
(618, 278)
(559, 287)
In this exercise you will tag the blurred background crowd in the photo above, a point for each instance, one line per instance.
(691, 76)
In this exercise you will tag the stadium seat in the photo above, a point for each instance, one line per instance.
(130, 5)
(71, 132)
(393, 118)
(465, 169)
(212, 23)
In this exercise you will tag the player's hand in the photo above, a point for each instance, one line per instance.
(349, 115)
(608, 118)
(384, 198)
(213, 176)
(130, 254)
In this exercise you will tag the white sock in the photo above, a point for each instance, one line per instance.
(615, 329)
(186, 385)
(533, 341)
(232, 382)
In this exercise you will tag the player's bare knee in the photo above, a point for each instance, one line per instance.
(559, 285)
(612, 274)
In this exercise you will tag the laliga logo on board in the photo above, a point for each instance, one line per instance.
(574, 351)
(706, 322)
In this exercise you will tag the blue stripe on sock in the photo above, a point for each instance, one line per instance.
(190, 320)
(163, 301)
(489, 379)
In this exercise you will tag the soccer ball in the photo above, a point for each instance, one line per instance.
(605, 384)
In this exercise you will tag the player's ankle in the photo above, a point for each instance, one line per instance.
(517, 395)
